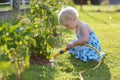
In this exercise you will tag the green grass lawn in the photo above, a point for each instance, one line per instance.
(105, 21)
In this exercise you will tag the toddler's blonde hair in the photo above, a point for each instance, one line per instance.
(66, 14)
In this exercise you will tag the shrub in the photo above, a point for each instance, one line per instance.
(44, 19)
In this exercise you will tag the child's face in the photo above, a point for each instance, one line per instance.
(70, 24)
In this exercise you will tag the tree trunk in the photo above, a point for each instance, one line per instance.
(81, 3)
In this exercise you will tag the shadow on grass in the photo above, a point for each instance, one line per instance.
(37, 72)
(71, 67)
(101, 73)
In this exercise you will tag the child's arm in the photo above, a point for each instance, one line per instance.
(83, 40)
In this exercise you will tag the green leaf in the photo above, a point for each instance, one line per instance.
(27, 58)
(31, 40)
(5, 26)
(6, 66)
(3, 57)
(50, 41)
(6, 48)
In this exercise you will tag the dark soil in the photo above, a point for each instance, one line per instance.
(118, 10)
(39, 59)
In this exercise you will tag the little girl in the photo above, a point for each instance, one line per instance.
(68, 17)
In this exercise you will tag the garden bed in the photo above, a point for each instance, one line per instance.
(39, 59)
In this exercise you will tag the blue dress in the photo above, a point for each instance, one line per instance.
(85, 53)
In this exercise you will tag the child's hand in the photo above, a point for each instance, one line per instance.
(69, 45)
